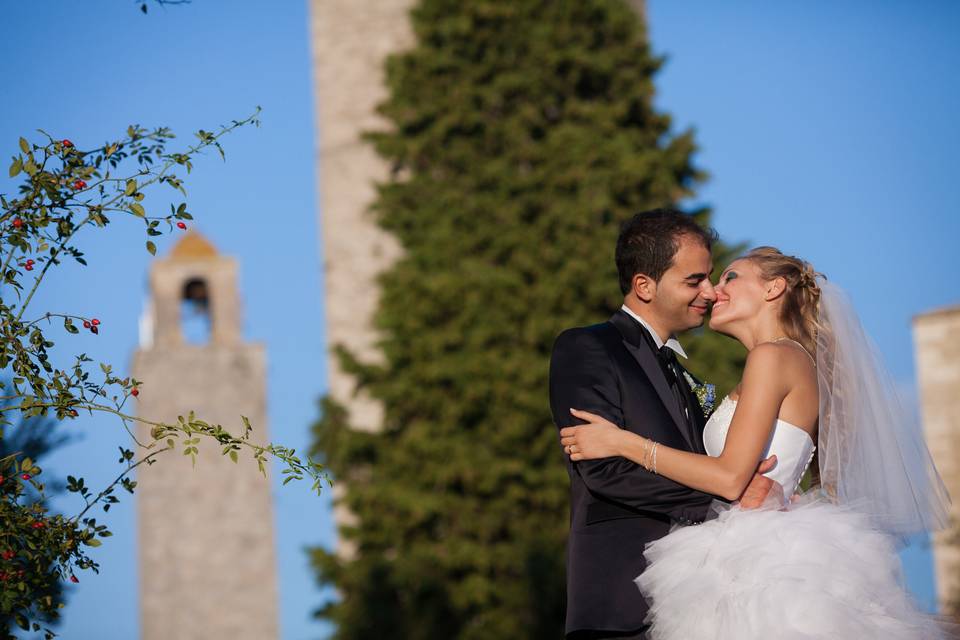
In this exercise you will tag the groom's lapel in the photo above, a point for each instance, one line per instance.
(633, 340)
(699, 419)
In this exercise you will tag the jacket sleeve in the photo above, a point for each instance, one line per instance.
(582, 376)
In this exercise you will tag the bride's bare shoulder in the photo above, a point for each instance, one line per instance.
(779, 363)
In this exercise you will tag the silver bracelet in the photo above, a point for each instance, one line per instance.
(655, 444)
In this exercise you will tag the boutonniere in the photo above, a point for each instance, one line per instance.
(705, 392)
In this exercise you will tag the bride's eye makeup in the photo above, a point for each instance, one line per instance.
(731, 275)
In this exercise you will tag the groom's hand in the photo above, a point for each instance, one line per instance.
(761, 487)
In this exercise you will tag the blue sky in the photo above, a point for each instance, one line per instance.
(829, 130)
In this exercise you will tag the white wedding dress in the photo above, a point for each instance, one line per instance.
(811, 570)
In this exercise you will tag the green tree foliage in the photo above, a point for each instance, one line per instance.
(35, 439)
(523, 134)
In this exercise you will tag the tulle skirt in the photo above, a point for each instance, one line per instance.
(815, 570)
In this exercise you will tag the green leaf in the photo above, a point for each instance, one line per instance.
(233, 455)
(24, 145)
(152, 248)
(131, 188)
(137, 209)
(16, 167)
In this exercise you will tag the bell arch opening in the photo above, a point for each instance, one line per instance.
(195, 311)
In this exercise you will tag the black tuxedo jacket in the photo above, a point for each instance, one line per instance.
(616, 506)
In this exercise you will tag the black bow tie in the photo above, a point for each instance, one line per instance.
(668, 355)
(674, 374)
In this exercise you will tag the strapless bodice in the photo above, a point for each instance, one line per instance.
(792, 445)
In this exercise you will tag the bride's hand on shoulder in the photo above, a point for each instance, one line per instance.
(599, 438)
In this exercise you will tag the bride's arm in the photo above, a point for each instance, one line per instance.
(762, 391)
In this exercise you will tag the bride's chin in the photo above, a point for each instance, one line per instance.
(714, 324)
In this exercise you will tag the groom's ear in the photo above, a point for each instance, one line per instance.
(775, 289)
(644, 287)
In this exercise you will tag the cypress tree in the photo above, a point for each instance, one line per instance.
(523, 134)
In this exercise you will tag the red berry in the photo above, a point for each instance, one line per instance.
(94, 329)
(86, 324)
(73, 412)
(3, 576)
(94, 322)
(79, 184)
(135, 392)
(74, 579)
(8, 554)
(17, 222)
(25, 476)
(66, 143)
(28, 267)
(37, 525)
(181, 225)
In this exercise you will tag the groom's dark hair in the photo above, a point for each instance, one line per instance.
(649, 240)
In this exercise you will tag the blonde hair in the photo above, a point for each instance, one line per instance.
(801, 300)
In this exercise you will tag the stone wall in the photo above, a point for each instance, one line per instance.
(937, 345)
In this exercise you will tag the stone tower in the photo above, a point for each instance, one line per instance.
(350, 42)
(936, 336)
(207, 564)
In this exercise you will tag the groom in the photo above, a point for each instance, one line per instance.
(626, 370)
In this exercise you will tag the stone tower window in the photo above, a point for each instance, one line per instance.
(195, 311)
(193, 296)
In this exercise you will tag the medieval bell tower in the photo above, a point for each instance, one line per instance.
(206, 552)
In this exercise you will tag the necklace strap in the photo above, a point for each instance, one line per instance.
(782, 338)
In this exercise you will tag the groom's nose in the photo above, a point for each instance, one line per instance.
(707, 291)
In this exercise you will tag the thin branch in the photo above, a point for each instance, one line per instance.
(109, 489)
(169, 164)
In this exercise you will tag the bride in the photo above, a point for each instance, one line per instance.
(813, 393)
